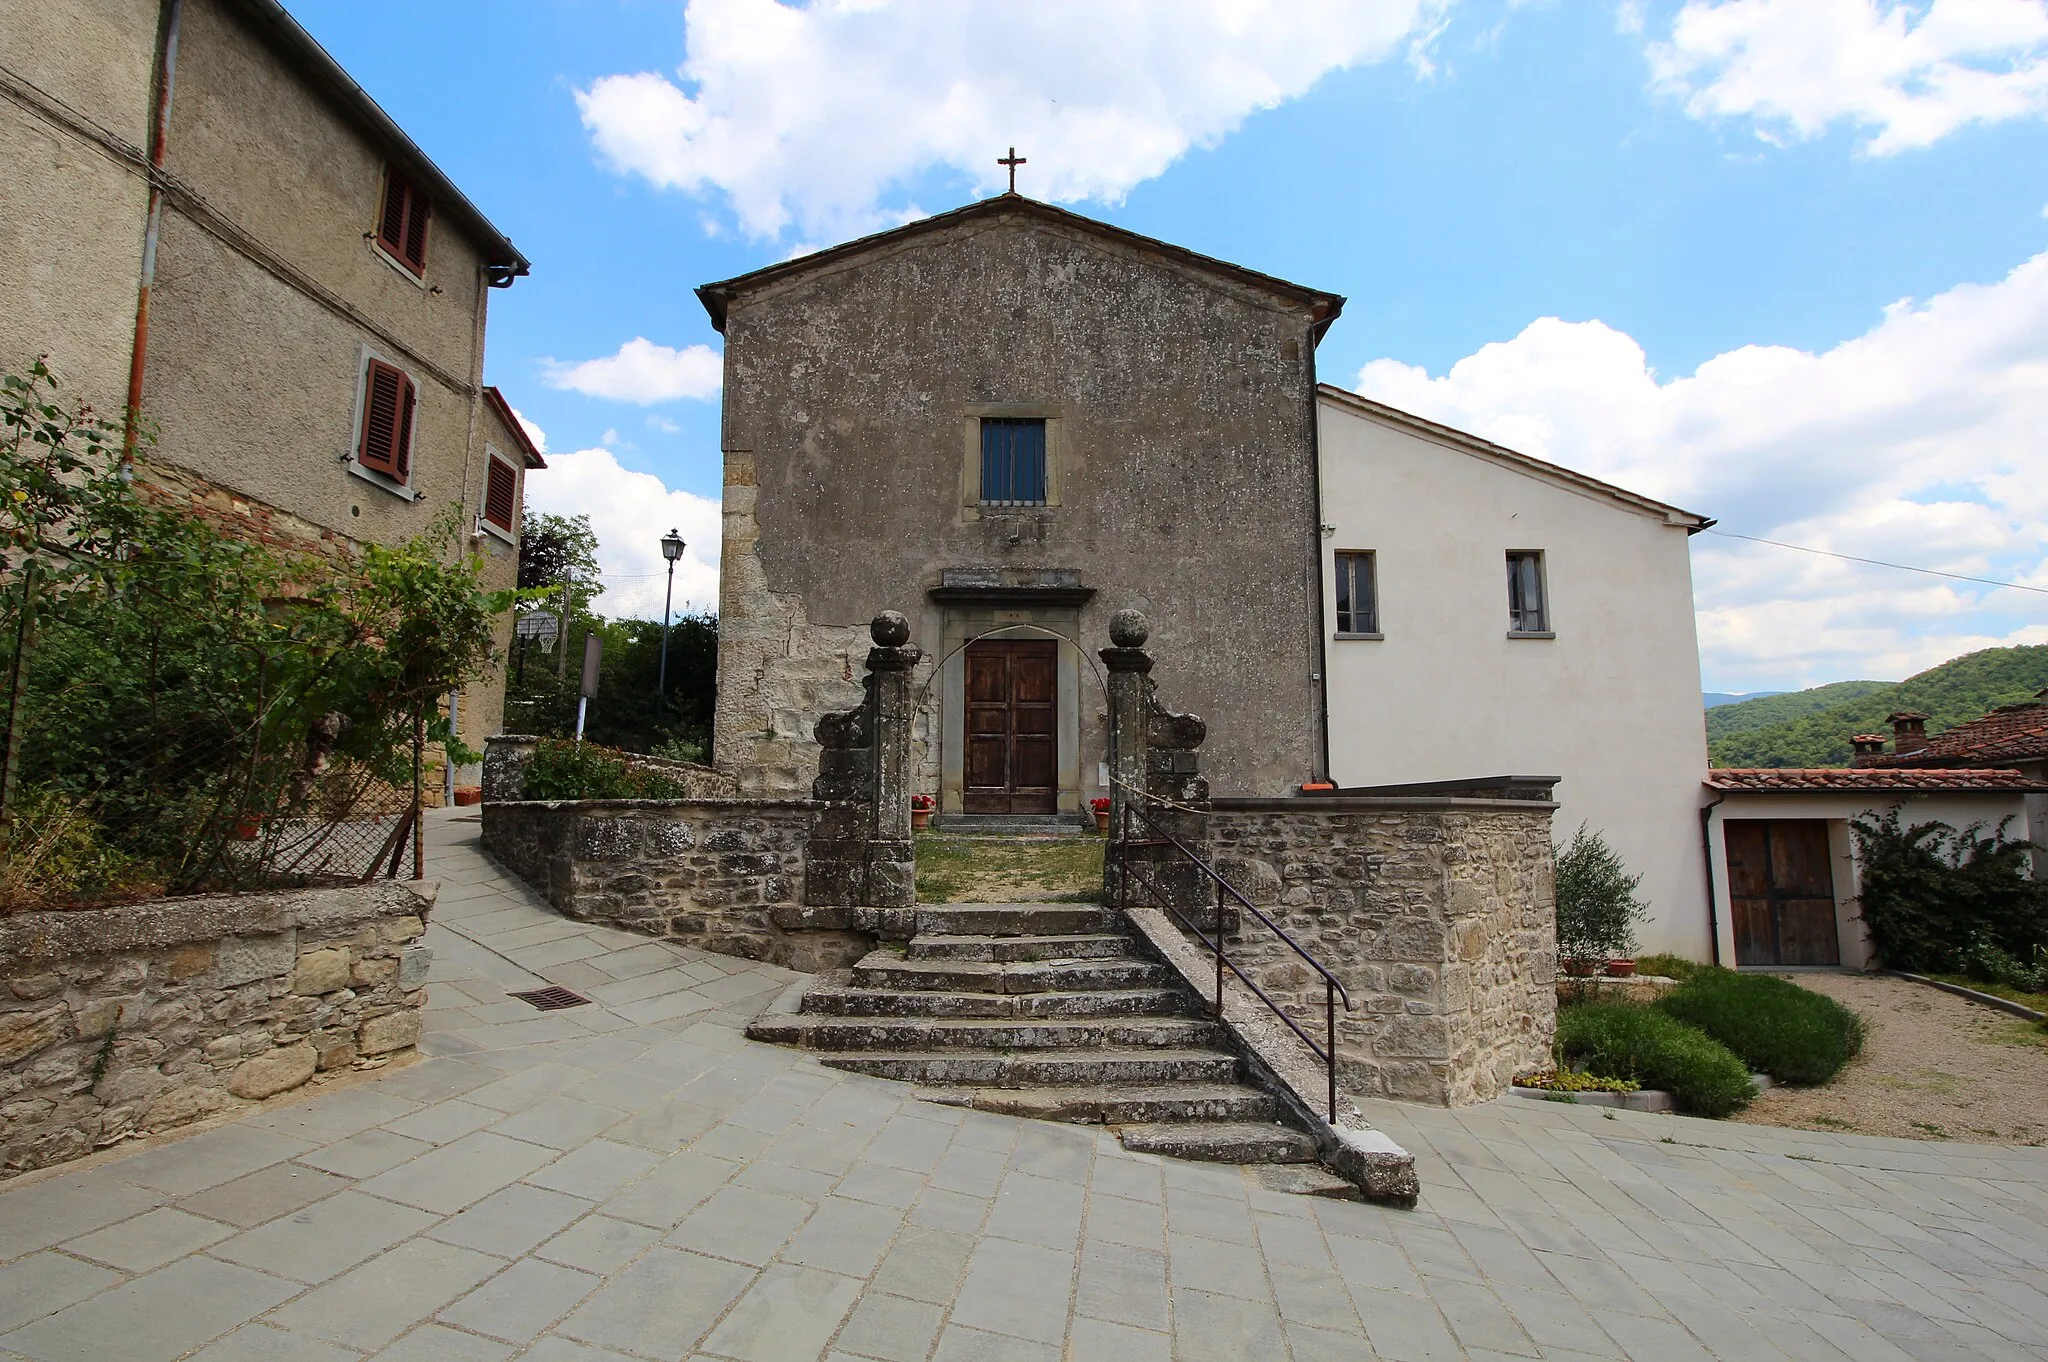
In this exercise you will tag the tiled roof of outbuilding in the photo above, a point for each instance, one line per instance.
(1875, 780)
(2008, 733)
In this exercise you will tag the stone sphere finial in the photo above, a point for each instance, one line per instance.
(889, 629)
(1128, 629)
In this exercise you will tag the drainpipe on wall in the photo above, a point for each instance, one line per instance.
(159, 138)
(1315, 569)
(1707, 845)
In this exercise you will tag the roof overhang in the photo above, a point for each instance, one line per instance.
(1323, 308)
(516, 427)
(305, 55)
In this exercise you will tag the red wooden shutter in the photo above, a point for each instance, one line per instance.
(402, 226)
(386, 443)
(501, 494)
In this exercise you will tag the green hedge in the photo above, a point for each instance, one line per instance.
(1773, 1025)
(1622, 1040)
(562, 769)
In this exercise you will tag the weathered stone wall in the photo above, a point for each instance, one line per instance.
(123, 1020)
(1180, 399)
(1438, 915)
(710, 873)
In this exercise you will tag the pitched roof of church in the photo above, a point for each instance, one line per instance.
(1526, 463)
(717, 296)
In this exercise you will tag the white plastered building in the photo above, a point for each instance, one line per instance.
(1488, 613)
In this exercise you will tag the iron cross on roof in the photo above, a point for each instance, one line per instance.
(1013, 160)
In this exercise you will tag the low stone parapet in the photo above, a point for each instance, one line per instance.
(1437, 914)
(720, 874)
(138, 1019)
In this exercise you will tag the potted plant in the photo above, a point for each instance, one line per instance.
(1100, 806)
(1597, 908)
(921, 806)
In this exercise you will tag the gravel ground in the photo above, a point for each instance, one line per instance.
(1933, 1067)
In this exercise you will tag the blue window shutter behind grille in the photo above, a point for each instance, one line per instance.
(1013, 461)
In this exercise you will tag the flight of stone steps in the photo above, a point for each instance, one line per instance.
(1046, 1010)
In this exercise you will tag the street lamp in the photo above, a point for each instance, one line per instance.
(671, 548)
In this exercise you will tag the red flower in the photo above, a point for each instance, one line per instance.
(1100, 803)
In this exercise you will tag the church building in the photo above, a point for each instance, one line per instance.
(1010, 421)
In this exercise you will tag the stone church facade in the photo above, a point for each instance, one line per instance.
(1009, 422)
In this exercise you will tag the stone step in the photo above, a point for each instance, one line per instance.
(1140, 1103)
(1007, 949)
(980, 1033)
(1014, 919)
(1063, 1068)
(1222, 1141)
(833, 998)
(888, 969)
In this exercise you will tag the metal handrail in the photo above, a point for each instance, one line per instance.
(1333, 988)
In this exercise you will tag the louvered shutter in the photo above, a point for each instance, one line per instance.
(501, 494)
(386, 442)
(402, 225)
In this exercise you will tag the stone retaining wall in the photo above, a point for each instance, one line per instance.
(1437, 914)
(712, 873)
(146, 1017)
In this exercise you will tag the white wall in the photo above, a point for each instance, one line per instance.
(1611, 704)
(1839, 808)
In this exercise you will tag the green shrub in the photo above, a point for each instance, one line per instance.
(1622, 1040)
(1667, 966)
(1943, 900)
(1773, 1025)
(563, 769)
(1597, 907)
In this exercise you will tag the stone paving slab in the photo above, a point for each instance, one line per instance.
(633, 1180)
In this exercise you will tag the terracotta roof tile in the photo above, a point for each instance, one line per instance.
(2008, 733)
(1874, 779)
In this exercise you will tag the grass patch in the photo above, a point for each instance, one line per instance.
(2018, 1031)
(1668, 966)
(1621, 1040)
(2037, 1001)
(1833, 1123)
(954, 869)
(1793, 1034)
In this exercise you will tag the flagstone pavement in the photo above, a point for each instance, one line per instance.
(634, 1180)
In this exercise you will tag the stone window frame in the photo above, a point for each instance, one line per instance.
(970, 456)
(1372, 558)
(484, 523)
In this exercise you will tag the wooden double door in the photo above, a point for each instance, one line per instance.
(1012, 727)
(1782, 884)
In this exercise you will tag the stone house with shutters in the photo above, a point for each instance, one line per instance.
(206, 219)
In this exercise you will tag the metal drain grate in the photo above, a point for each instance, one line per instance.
(551, 999)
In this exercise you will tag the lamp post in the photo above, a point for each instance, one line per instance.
(671, 549)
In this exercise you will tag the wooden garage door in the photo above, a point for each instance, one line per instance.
(1012, 711)
(1782, 888)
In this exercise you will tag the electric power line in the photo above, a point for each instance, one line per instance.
(1879, 562)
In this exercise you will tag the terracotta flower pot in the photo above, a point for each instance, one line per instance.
(1102, 820)
(1621, 969)
(248, 827)
(1580, 969)
(920, 819)
(469, 794)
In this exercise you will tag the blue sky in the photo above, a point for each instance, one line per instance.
(1780, 261)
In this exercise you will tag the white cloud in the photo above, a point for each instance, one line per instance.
(811, 114)
(1918, 442)
(1910, 74)
(631, 512)
(643, 372)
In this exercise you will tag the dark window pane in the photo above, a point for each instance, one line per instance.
(1013, 461)
(1357, 594)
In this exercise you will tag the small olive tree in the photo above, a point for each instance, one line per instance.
(1597, 904)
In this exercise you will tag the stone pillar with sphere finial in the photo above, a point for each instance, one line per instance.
(1151, 749)
(892, 856)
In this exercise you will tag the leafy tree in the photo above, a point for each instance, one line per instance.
(1597, 906)
(1940, 899)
